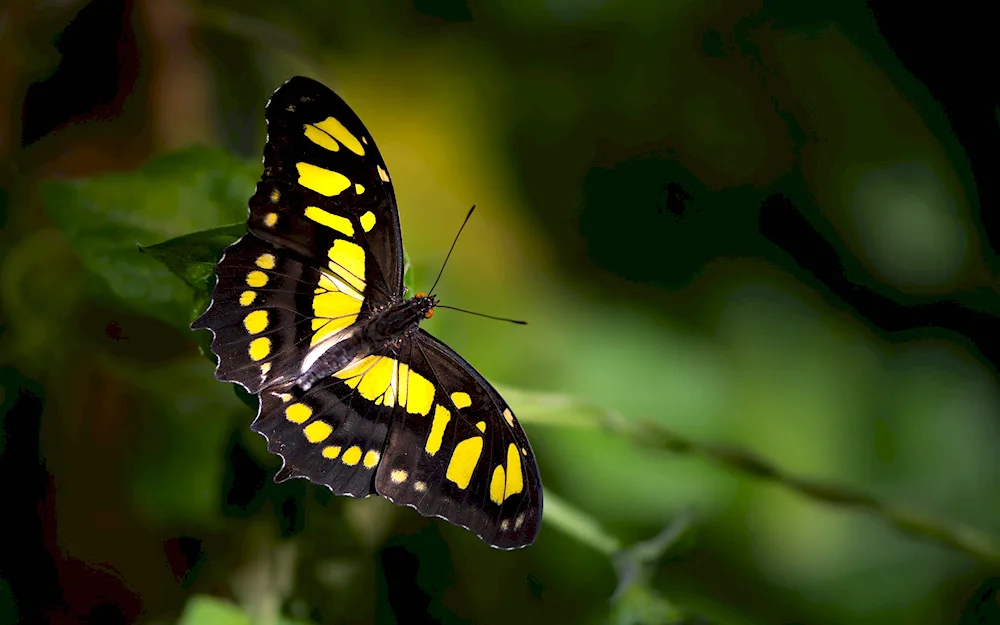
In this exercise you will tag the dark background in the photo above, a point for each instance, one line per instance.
(765, 224)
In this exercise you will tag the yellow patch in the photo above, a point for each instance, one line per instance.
(265, 261)
(359, 188)
(519, 521)
(464, 460)
(270, 219)
(331, 451)
(298, 413)
(371, 458)
(497, 485)
(482, 426)
(352, 456)
(247, 297)
(416, 390)
(524, 451)
(256, 322)
(364, 140)
(347, 260)
(441, 419)
(462, 400)
(285, 397)
(509, 417)
(256, 279)
(322, 181)
(505, 525)
(352, 373)
(259, 348)
(322, 328)
(398, 476)
(382, 173)
(275, 196)
(265, 368)
(375, 382)
(420, 486)
(335, 129)
(328, 219)
(368, 221)
(320, 138)
(317, 431)
(515, 479)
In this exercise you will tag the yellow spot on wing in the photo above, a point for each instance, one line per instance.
(317, 431)
(323, 181)
(352, 456)
(265, 261)
(462, 400)
(371, 458)
(265, 368)
(368, 221)
(320, 138)
(333, 127)
(463, 461)
(298, 413)
(519, 521)
(256, 321)
(331, 452)
(270, 219)
(420, 486)
(256, 279)
(441, 418)
(359, 188)
(515, 479)
(482, 426)
(247, 297)
(352, 373)
(260, 348)
(376, 380)
(322, 217)
(497, 485)
(509, 417)
(416, 390)
(382, 173)
(347, 260)
(398, 476)
(275, 196)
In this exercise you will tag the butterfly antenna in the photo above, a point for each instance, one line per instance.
(517, 321)
(451, 249)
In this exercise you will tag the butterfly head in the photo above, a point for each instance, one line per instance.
(426, 304)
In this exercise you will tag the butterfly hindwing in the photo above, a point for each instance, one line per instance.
(334, 433)
(325, 180)
(455, 449)
(268, 310)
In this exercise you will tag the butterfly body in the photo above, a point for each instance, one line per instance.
(309, 312)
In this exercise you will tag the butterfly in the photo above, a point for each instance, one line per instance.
(309, 312)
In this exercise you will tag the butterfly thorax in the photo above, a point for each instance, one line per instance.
(397, 320)
(375, 334)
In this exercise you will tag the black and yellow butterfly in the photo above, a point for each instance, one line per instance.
(309, 312)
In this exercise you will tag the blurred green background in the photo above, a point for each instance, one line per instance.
(744, 223)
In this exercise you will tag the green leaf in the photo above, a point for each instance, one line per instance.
(192, 257)
(103, 218)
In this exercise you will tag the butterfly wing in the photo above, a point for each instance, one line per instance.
(326, 190)
(467, 459)
(324, 246)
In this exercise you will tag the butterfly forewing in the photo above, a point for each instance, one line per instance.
(456, 450)
(408, 418)
(325, 181)
(268, 310)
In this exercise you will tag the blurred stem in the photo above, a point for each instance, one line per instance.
(562, 410)
(579, 525)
